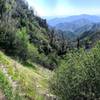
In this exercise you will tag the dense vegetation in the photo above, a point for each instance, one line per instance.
(78, 77)
(25, 36)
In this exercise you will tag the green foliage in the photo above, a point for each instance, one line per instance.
(22, 34)
(15, 44)
(22, 43)
(78, 77)
(31, 83)
(5, 86)
(26, 36)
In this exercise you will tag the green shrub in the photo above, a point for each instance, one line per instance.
(78, 77)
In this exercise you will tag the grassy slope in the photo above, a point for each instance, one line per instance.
(31, 80)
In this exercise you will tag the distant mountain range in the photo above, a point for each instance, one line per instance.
(85, 27)
(91, 18)
(75, 24)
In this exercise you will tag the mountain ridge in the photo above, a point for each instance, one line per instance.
(72, 18)
(76, 25)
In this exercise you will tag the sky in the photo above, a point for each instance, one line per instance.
(65, 7)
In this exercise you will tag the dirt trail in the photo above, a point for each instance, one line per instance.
(2, 97)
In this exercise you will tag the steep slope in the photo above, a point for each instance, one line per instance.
(25, 36)
(23, 83)
(20, 27)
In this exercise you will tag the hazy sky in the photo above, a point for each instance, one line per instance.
(65, 7)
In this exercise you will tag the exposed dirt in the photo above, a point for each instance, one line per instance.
(2, 97)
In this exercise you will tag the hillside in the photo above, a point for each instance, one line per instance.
(26, 36)
(18, 82)
(91, 36)
(27, 45)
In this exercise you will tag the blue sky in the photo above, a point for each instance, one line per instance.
(65, 7)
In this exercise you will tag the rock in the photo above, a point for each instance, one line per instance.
(50, 97)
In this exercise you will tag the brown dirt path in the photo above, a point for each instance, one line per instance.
(2, 97)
